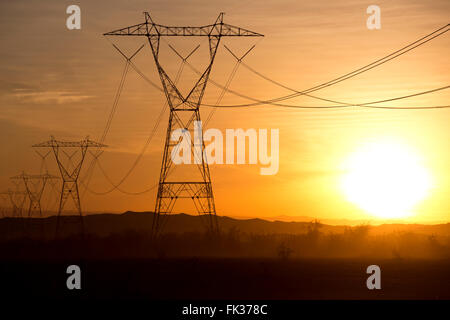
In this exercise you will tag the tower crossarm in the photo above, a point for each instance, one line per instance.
(70, 144)
(13, 192)
(25, 176)
(149, 28)
(57, 145)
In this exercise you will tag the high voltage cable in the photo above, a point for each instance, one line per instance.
(368, 67)
(349, 75)
(140, 155)
(345, 104)
(222, 93)
(115, 104)
(89, 173)
(111, 115)
(95, 160)
(228, 82)
(362, 105)
(136, 162)
(116, 187)
(358, 71)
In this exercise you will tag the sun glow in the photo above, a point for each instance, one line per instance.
(385, 179)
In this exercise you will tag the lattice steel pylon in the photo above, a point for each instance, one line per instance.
(184, 113)
(69, 176)
(3, 206)
(34, 191)
(17, 199)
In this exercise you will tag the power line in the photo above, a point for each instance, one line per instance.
(222, 93)
(91, 167)
(343, 104)
(139, 157)
(290, 89)
(351, 74)
(363, 105)
(150, 137)
(228, 82)
(116, 186)
(370, 66)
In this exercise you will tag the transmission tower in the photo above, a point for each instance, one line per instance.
(35, 186)
(70, 171)
(17, 199)
(4, 199)
(184, 113)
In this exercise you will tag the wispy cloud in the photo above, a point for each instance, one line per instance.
(58, 97)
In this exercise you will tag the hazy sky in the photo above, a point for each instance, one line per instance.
(62, 82)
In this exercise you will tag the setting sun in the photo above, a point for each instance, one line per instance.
(385, 179)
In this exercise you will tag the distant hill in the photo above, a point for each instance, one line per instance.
(107, 224)
(344, 222)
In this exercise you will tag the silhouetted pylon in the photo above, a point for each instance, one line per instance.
(35, 186)
(69, 171)
(17, 199)
(3, 207)
(184, 113)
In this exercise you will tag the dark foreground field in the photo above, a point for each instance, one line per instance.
(209, 278)
(251, 259)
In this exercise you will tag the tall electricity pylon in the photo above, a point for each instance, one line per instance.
(184, 113)
(35, 186)
(69, 171)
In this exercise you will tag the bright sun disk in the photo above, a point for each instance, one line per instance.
(386, 180)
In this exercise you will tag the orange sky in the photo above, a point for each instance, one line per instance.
(61, 82)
